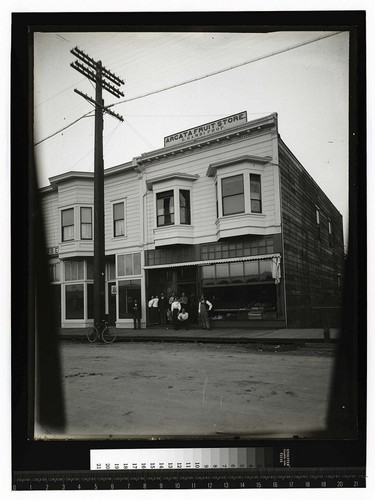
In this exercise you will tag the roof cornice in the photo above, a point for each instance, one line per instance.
(236, 133)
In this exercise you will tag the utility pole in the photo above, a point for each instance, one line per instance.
(96, 72)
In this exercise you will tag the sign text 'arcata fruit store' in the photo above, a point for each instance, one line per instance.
(207, 129)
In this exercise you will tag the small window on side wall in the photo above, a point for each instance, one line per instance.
(317, 216)
(118, 219)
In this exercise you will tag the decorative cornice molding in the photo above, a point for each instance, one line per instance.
(167, 177)
(211, 171)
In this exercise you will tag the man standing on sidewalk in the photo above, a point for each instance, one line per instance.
(203, 308)
(136, 312)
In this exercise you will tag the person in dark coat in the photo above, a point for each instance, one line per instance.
(204, 307)
(136, 313)
(163, 306)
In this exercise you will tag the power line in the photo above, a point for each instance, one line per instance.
(250, 61)
(87, 115)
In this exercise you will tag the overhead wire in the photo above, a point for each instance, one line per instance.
(208, 75)
(229, 68)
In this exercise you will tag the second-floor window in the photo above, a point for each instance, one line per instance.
(165, 208)
(232, 191)
(86, 223)
(184, 206)
(67, 224)
(119, 219)
(255, 194)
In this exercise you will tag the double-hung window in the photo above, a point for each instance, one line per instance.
(232, 189)
(165, 208)
(255, 194)
(184, 206)
(86, 223)
(119, 219)
(67, 224)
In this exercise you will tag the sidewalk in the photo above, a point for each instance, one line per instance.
(219, 335)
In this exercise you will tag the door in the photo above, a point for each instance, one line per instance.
(112, 303)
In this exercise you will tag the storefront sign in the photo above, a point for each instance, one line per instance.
(53, 250)
(207, 129)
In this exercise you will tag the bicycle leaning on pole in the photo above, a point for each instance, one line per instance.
(103, 331)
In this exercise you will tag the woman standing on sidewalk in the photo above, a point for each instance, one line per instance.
(203, 308)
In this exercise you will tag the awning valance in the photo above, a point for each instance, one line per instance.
(272, 256)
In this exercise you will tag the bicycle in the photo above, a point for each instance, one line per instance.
(103, 331)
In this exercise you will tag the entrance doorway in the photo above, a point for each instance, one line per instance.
(112, 303)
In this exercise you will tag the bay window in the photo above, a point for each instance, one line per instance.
(86, 223)
(165, 208)
(67, 224)
(255, 194)
(232, 192)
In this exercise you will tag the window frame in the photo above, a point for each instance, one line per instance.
(114, 203)
(233, 195)
(317, 221)
(186, 208)
(161, 195)
(85, 223)
(64, 240)
(260, 194)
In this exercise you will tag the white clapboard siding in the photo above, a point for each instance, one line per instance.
(123, 187)
(203, 193)
(50, 214)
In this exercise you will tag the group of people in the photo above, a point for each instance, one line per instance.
(174, 310)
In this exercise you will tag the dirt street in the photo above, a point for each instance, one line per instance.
(194, 389)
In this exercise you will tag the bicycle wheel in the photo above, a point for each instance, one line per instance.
(109, 334)
(92, 334)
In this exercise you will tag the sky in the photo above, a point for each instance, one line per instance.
(307, 86)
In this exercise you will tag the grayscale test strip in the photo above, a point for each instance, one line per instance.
(186, 458)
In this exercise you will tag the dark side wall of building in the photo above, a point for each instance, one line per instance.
(313, 254)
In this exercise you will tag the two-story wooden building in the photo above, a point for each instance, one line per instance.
(223, 209)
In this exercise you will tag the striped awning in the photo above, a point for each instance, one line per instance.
(215, 261)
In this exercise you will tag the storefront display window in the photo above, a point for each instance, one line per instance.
(74, 304)
(90, 300)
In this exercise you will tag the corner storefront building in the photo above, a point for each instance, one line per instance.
(224, 209)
